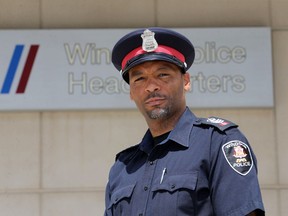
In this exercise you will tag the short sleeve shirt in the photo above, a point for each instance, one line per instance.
(204, 167)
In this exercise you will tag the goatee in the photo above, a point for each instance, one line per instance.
(159, 113)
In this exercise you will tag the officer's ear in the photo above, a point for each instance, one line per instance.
(187, 83)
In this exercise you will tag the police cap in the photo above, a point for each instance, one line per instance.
(152, 44)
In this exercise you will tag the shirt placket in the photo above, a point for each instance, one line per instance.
(146, 185)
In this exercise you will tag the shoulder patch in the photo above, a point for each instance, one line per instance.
(221, 124)
(238, 156)
(127, 152)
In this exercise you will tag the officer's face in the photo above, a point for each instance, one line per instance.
(158, 89)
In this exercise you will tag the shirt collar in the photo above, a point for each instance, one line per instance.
(180, 134)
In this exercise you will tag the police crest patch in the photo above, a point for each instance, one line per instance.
(238, 156)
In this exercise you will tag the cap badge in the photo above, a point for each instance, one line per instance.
(149, 43)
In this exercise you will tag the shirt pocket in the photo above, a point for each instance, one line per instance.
(176, 193)
(120, 200)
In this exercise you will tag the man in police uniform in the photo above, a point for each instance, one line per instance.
(184, 165)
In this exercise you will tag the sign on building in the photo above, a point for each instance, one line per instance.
(72, 69)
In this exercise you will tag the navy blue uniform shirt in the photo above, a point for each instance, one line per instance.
(204, 167)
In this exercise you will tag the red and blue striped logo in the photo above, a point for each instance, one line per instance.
(13, 67)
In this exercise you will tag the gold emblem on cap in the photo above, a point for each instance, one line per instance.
(149, 43)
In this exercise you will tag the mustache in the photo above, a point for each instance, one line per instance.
(155, 94)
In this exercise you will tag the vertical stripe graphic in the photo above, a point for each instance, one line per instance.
(27, 69)
(12, 69)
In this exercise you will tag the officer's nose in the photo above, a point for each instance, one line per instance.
(152, 86)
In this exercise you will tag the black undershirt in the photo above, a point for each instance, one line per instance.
(160, 138)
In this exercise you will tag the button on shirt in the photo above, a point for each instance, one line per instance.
(187, 174)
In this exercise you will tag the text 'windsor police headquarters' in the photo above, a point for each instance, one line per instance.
(87, 82)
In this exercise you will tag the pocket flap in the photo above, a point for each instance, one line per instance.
(121, 193)
(176, 182)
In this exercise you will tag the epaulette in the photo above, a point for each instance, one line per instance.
(221, 124)
(127, 152)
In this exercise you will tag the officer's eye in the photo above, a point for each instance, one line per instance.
(164, 71)
(163, 74)
(138, 79)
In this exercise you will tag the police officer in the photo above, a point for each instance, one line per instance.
(184, 165)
